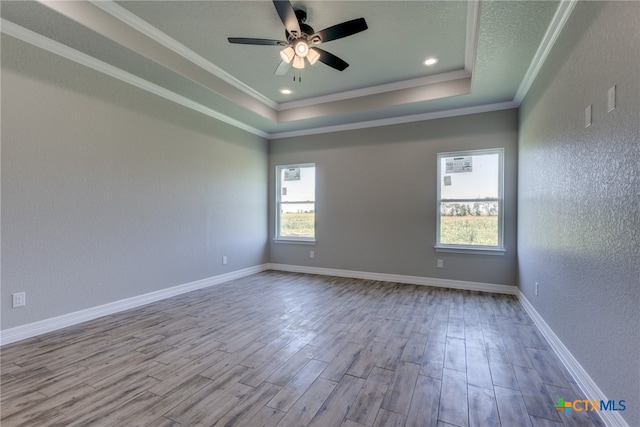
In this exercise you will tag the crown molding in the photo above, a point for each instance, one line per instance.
(471, 44)
(106, 25)
(561, 16)
(81, 58)
(548, 40)
(397, 120)
(134, 21)
(375, 90)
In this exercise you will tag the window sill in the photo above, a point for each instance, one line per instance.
(470, 250)
(295, 241)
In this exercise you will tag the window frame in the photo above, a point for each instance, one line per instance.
(279, 203)
(499, 249)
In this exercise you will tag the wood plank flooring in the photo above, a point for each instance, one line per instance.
(283, 349)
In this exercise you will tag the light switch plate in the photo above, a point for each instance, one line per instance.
(587, 116)
(611, 99)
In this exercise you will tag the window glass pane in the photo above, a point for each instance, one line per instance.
(469, 177)
(296, 202)
(469, 223)
(297, 221)
(298, 184)
(470, 199)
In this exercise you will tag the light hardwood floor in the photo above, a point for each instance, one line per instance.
(283, 349)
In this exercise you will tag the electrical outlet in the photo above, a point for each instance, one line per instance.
(439, 263)
(312, 254)
(19, 299)
(537, 288)
(224, 260)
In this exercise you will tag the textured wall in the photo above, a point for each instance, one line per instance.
(109, 192)
(376, 197)
(579, 196)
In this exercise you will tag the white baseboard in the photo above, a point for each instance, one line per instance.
(582, 378)
(48, 325)
(398, 278)
(31, 330)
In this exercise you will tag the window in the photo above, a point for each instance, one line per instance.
(296, 202)
(470, 205)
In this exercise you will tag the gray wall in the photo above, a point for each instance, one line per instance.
(109, 192)
(579, 196)
(376, 197)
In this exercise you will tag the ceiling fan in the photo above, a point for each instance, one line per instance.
(301, 42)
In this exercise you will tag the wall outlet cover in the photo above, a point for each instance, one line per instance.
(19, 299)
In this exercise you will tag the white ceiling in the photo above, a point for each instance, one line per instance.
(488, 53)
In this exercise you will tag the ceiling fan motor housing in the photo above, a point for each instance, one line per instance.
(301, 15)
(305, 29)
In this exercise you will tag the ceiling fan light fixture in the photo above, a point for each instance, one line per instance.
(302, 48)
(287, 54)
(298, 62)
(313, 56)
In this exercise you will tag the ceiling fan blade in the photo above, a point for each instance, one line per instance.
(330, 59)
(282, 68)
(261, 42)
(288, 16)
(339, 31)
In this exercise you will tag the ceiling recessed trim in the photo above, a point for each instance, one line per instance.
(548, 40)
(398, 120)
(134, 21)
(473, 25)
(155, 34)
(471, 43)
(106, 25)
(375, 90)
(152, 40)
(81, 58)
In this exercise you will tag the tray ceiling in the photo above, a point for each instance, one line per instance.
(488, 53)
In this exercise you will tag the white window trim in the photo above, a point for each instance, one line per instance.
(473, 249)
(289, 239)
